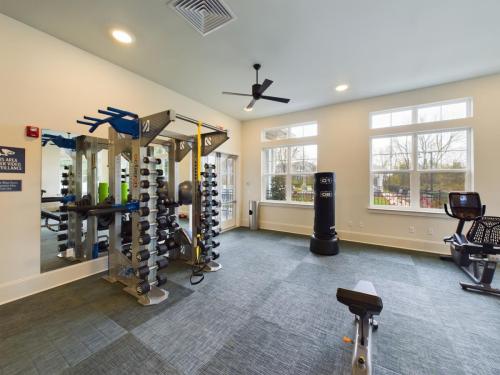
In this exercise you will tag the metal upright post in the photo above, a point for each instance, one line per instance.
(75, 250)
(115, 241)
(91, 156)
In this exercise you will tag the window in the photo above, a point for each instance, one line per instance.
(290, 132)
(433, 112)
(288, 173)
(419, 170)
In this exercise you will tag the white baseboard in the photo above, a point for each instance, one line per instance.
(283, 227)
(38, 283)
(414, 244)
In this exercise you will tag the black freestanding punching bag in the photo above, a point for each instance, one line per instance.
(324, 241)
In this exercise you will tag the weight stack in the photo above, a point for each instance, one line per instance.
(324, 241)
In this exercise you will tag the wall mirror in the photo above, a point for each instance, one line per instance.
(74, 171)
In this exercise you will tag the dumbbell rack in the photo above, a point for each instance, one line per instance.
(208, 222)
(141, 250)
(63, 234)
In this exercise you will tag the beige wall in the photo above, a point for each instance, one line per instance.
(343, 147)
(48, 83)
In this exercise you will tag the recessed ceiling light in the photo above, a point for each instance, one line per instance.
(342, 87)
(246, 109)
(122, 36)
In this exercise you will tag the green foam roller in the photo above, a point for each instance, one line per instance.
(103, 191)
(124, 192)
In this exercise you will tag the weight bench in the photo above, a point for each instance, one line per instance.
(364, 302)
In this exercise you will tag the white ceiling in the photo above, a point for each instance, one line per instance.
(306, 46)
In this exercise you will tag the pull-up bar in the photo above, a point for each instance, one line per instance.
(195, 122)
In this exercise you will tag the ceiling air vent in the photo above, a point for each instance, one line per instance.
(204, 15)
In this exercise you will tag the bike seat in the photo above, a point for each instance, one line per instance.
(362, 300)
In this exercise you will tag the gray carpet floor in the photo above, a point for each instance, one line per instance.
(271, 310)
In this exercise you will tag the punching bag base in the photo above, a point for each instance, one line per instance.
(324, 247)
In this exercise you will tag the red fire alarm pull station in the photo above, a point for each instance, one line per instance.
(32, 131)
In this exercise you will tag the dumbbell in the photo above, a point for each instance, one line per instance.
(210, 203)
(144, 255)
(206, 246)
(165, 222)
(161, 209)
(62, 247)
(144, 271)
(148, 159)
(62, 237)
(143, 225)
(208, 174)
(145, 211)
(64, 182)
(63, 217)
(147, 172)
(145, 197)
(209, 183)
(161, 236)
(145, 238)
(210, 212)
(207, 224)
(62, 226)
(210, 234)
(145, 184)
(205, 217)
(144, 287)
(209, 166)
(207, 193)
(64, 191)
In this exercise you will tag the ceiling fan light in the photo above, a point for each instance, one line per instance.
(246, 109)
(342, 87)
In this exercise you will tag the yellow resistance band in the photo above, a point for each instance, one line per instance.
(198, 172)
(198, 177)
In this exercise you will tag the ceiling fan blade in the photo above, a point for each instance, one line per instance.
(235, 93)
(250, 106)
(275, 99)
(265, 85)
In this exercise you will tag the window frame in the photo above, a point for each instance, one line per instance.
(415, 108)
(288, 175)
(415, 172)
(288, 138)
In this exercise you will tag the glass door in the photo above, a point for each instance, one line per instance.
(227, 164)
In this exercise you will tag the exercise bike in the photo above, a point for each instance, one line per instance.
(364, 303)
(476, 253)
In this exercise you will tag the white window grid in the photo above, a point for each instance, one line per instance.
(414, 117)
(414, 171)
(288, 173)
(288, 127)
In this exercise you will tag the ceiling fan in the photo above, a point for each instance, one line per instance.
(257, 91)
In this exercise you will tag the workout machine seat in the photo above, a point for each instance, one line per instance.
(362, 300)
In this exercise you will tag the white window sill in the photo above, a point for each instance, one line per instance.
(407, 211)
(286, 204)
